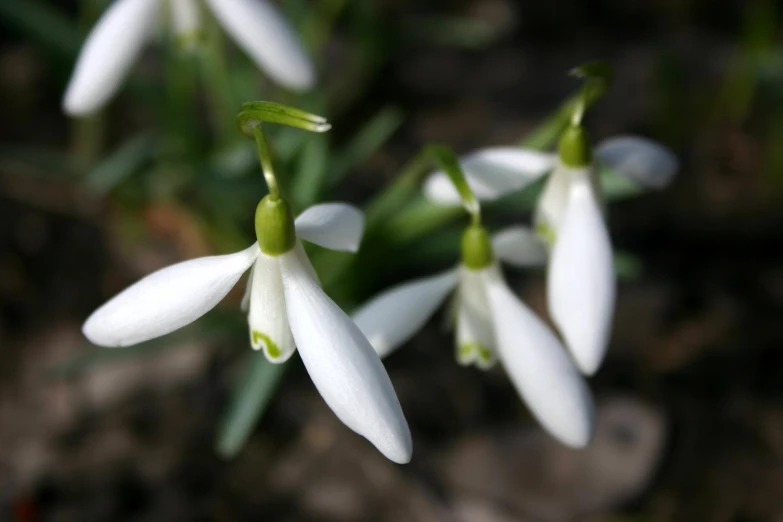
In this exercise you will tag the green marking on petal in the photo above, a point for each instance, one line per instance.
(272, 350)
(546, 233)
(485, 355)
(465, 351)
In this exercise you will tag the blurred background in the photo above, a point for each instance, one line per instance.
(189, 427)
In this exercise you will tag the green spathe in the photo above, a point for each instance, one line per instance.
(476, 248)
(574, 147)
(275, 226)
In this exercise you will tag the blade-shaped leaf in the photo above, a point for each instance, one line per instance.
(250, 400)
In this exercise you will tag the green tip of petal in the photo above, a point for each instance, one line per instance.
(486, 357)
(271, 350)
(475, 353)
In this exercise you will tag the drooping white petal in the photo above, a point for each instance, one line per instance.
(581, 279)
(336, 226)
(244, 305)
(186, 19)
(266, 36)
(551, 204)
(392, 317)
(491, 173)
(108, 54)
(519, 246)
(639, 159)
(167, 300)
(540, 368)
(268, 319)
(475, 336)
(302, 255)
(344, 367)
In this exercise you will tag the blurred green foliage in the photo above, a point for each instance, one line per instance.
(194, 158)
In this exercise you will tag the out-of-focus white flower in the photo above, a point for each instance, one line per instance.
(119, 35)
(496, 171)
(568, 217)
(491, 322)
(287, 310)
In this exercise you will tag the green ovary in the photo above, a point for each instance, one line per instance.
(272, 350)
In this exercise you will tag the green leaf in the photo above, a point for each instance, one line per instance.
(627, 265)
(616, 187)
(370, 138)
(418, 219)
(213, 326)
(250, 400)
(311, 174)
(398, 194)
(467, 33)
(121, 163)
(43, 23)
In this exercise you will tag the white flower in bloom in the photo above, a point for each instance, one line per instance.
(119, 35)
(492, 322)
(287, 311)
(496, 171)
(580, 276)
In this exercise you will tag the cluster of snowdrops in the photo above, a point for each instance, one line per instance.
(288, 311)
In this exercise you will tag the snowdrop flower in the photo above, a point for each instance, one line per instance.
(287, 310)
(568, 216)
(491, 323)
(119, 35)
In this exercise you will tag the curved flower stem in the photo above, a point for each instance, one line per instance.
(265, 158)
(445, 158)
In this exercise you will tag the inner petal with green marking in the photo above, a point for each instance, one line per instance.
(475, 335)
(267, 316)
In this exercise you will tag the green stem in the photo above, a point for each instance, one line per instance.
(265, 158)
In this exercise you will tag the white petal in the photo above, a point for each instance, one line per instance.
(392, 317)
(268, 319)
(167, 299)
(108, 54)
(475, 335)
(552, 202)
(639, 159)
(540, 369)
(302, 255)
(491, 173)
(265, 35)
(186, 19)
(581, 279)
(336, 226)
(344, 367)
(244, 305)
(519, 246)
